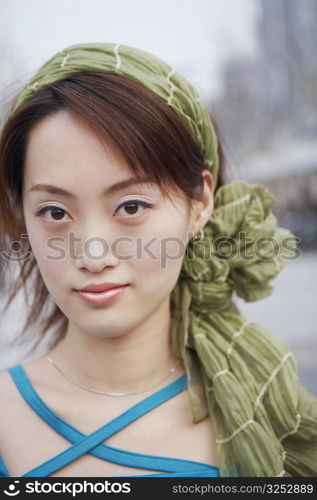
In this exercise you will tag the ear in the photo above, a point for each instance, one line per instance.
(202, 209)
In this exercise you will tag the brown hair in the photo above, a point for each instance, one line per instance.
(151, 137)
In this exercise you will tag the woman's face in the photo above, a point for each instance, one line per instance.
(90, 236)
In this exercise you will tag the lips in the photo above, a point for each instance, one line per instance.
(102, 297)
(102, 287)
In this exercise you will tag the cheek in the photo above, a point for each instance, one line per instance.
(52, 264)
(162, 255)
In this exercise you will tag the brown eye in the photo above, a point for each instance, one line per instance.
(56, 213)
(132, 207)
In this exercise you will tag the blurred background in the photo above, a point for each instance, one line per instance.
(254, 64)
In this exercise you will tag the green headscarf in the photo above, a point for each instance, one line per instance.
(265, 422)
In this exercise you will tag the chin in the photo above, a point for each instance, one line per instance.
(103, 329)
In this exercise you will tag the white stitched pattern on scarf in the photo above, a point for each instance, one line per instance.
(283, 459)
(64, 60)
(191, 121)
(243, 426)
(258, 399)
(281, 473)
(209, 162)
(293, 431)
(118, 58)
(202, 272)
(170, 97)
(237, 334)
(271, 377)
(233, 203)
(218, 374)
(221, 279)
(179, 110)
(34, 86)
(199, 335)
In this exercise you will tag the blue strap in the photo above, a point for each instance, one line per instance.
(84, 443)
(211, 472)
(3, 470)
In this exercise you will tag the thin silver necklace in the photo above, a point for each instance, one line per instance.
(172, 370)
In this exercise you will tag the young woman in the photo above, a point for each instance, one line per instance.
(110, 168)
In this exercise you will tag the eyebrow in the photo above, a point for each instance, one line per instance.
(49, 188)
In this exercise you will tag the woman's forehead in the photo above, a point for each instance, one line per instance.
(64, 129)
(63, 148)
(61, 142)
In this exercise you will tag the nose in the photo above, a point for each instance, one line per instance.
(95, 254)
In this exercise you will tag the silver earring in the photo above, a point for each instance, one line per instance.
(200, 237)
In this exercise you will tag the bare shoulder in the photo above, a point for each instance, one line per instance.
(8, 394)
(14, 410)
(6, 384)
(12, 397)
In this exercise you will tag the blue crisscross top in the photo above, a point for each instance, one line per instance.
(93, 443)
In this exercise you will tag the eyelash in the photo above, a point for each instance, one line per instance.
(40, 212)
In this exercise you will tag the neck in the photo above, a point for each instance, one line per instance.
(132, 361)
